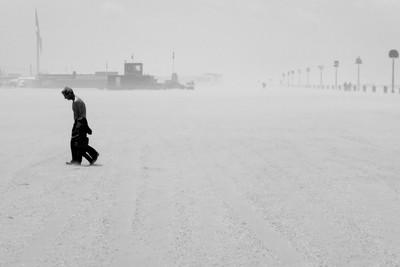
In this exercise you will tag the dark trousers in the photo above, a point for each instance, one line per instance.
(81, 149)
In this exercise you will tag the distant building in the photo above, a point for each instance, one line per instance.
(133, 78)
(9, 80)
(173, 83)
(105, 73)
(72, 80)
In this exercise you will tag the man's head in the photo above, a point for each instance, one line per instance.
(68, 93)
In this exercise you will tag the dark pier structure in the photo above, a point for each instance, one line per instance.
(133, 78)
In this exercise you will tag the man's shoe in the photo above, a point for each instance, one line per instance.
(73, 162)
(95, 159)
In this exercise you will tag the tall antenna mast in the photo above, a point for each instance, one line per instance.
(38, 44)
(173, 62)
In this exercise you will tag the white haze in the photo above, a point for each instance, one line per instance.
(249, 41)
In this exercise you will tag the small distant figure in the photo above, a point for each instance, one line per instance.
(190, 85)
(345, 86)
(264, 85)
(79, 140)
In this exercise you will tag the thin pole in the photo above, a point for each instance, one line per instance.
(336, 79)
(320, 79)
(358, 81)
(393, 75)
(299, 79)
(38, 43)
(37, 54)
(173, 62)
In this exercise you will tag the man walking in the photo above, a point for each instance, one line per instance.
(79, 140)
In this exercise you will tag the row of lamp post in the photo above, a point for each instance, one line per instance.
(336, 65)
(393, 54)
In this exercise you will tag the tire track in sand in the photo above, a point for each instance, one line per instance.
(230, 194)
(142, 211)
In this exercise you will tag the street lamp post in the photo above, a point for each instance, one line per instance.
(299, 71)
(308, 77)
(321, 67)
(292, 72)
(358, 62)
(393, 54)
(336, 65)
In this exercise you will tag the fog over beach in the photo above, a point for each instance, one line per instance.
(266, 165)
(244, 40)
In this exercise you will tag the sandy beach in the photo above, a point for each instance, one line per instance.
(209, 177)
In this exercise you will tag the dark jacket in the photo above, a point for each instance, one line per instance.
(79, 131)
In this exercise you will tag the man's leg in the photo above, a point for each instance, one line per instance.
(81, 146)
(76, 155)
(73, 150)
(79, 153)
(87, 156)
(92, 153)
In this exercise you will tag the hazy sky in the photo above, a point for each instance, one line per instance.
(259, 38)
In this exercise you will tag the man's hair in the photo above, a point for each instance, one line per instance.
(67, 90)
